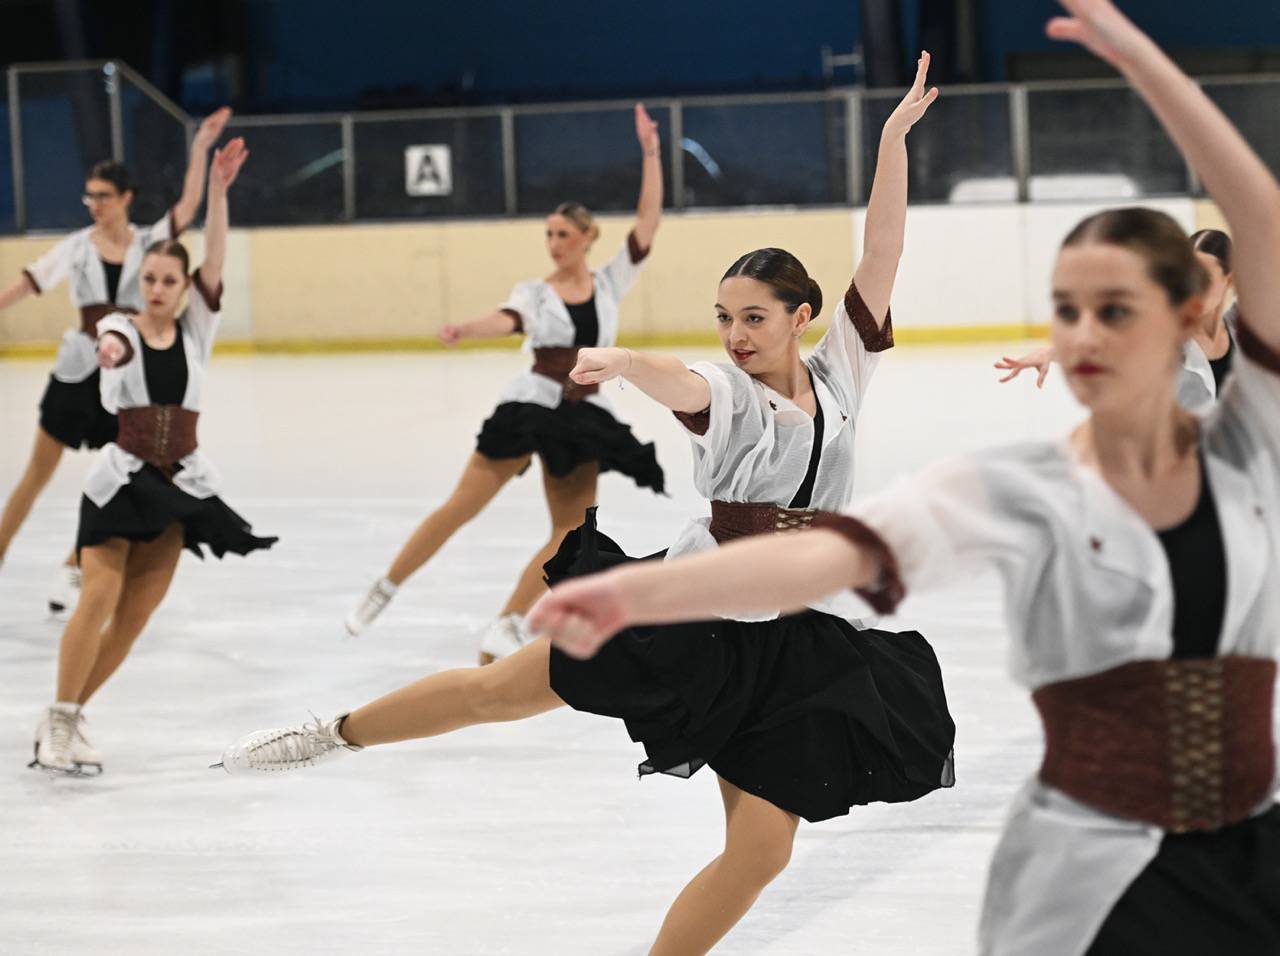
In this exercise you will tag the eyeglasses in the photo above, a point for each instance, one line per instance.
(90, 198)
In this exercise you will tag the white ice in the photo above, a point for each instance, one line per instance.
(526, 838)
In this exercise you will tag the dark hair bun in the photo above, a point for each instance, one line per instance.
(815, 297)
(783, 273)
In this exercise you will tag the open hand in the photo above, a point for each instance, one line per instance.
(227, 162)
(211, 128)
(598, 365)
(579, 616)
(1040, 360)
(917, 101)
(1100, 28)
(646, 130)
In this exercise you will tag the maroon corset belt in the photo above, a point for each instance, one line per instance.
(1182, 744)
(733, 519)
(161, 435)
(556, 364)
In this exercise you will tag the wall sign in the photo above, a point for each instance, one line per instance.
(428, 170)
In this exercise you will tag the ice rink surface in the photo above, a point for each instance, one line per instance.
(531, 838)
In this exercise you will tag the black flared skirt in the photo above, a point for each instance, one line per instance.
(72, 413)
(1203, 893)
(567, 436)
(805, 711)
(149, 504)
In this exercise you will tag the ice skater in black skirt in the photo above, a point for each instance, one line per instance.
(1140, 562)
(570, 428)
(151, 491)
(801, 715)
(100, 263)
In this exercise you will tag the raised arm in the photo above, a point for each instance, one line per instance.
(188, 204)
(887, 208)
(226, 166)
(1236, 179)
(742, 578)
(649, 208)
(664, 378)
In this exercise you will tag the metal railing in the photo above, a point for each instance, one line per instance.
(1026, 142)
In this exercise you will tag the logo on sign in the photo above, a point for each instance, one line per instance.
(428, 171)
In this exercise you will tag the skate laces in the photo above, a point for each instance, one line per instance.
(377, 599)
(292, 747)
(62, 728)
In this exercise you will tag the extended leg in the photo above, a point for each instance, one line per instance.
(515, 687)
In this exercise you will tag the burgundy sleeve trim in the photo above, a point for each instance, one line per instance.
(174, 231)
(128, 346)
(696, 422)
(637, 252)
(888, 591)
(213, 299)
(1255, 348)
(515, 317)
(31, 281)
(874, 338)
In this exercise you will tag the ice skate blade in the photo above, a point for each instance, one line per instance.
(57, 772)
(218, 766)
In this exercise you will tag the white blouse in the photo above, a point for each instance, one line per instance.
(1087, 587)
(757, 444)
(126, 387)
(544, 319)
(76, 258)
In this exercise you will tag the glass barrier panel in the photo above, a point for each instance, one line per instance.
(423, 168)
(1099, 144)
(293, 176)
(765, 154)
(590, 156)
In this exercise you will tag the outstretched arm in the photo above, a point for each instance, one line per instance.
(649, 208)
(188, 204)
(18, 290)
(1235, 178)
(887, 208)
(491, 325)
(226, 166)
(664, 378)
(741, 578)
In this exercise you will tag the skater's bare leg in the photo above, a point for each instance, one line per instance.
(568, 499)
(147, 576)
(757, 848)
(102, 570)
(513, 688)
(481, 480)
(46, 452)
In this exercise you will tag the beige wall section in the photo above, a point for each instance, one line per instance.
(37, 319)
(1208, 216)
(406, 281)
